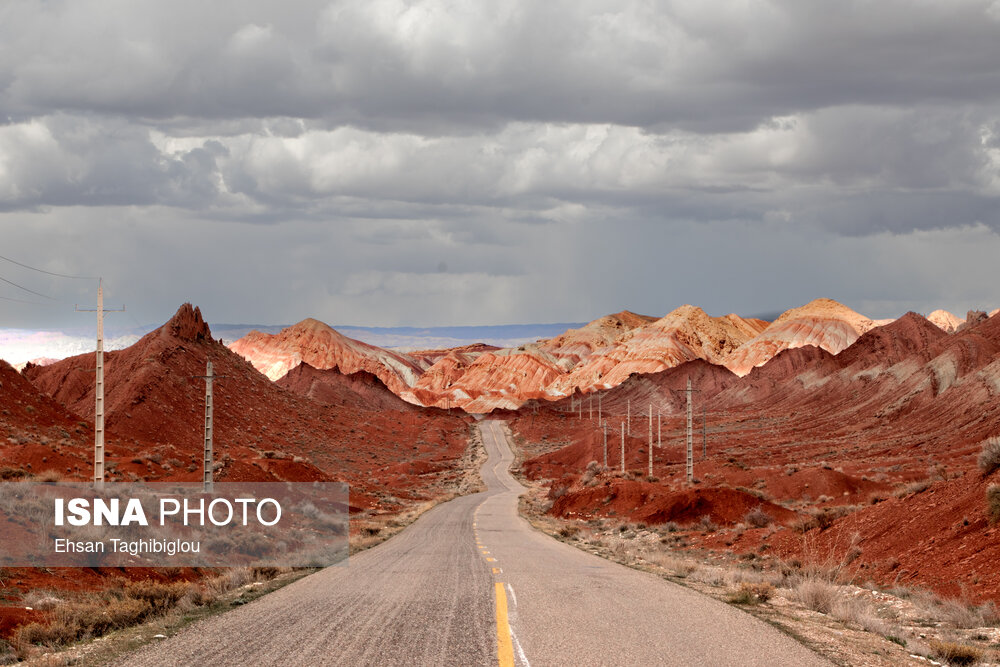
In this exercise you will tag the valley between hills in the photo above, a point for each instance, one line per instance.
(821, 436)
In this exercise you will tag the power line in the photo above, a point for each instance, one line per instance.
(51, 273)
(44, 296)
(34, 303)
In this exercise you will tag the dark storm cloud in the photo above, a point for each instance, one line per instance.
(387, 64)
(372, 142)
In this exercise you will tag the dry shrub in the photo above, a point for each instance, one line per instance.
(41, 600)
(862, 613)
(817, 594)
(266, 572)
(955, 613)
(706, 524)
(752, 593)
(73, 621)
(569, 531)
(757, 518)
(674, 566)
(913, 488)
(48, 476)
(954, 653)
(989, 457)
(160, 596)
(993, 502)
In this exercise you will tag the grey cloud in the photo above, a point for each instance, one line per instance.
(562, 159)
(431, 67)
(64, 160)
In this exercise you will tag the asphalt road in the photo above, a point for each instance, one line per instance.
(471, 583)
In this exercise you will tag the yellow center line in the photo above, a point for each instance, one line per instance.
(496, 570)
(491, 560)
(505, 647)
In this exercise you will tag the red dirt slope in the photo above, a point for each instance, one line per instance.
(155, 413)
(358, 391)
(37, 433)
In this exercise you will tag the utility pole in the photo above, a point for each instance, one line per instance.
(690, 455)
(99, 391)
(650, 447)
(599, 413)
(628, 416)
(209, 458)
(590, 407)
(605, 429)
(659, 429)
(623, 447)
(579, 406)
(690, 434)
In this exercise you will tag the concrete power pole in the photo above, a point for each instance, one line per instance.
(690, 454)
(99, 389)
(599, 413)
(650, 447)
(208, 467)
(659, 429)
(623, 448)
(590, 408)
(209, 456)
(605, 428)
(628, 416)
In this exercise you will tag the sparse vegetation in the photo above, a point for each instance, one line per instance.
(757, 518)
(989, 457)
(817, 594)
(955, 653)
(993, 502)
(123, 605)
(752, 593)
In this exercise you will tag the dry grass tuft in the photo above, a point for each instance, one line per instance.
(817, 594)
(993, 502)
(954, 653)
(989, 457)
(750, 593)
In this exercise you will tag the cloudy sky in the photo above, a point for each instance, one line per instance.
(383, 162)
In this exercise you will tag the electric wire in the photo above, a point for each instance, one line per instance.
(50, 273)
(44, 296)
(34, 303)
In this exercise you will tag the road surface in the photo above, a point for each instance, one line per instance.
(471, 583)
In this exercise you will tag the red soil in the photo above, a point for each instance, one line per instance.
(360, 390)
(390, 452)
(905, 402)
(655, 504)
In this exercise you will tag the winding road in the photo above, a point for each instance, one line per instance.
(472, 583)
